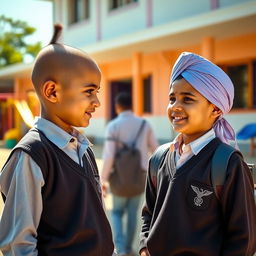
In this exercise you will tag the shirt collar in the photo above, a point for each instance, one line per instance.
(126, 113)
(197, 145)
(57, 135)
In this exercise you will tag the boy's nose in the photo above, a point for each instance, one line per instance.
(96, 101)
(176, 105)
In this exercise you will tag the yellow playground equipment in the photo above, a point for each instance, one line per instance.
(25, 112)
(12, 136)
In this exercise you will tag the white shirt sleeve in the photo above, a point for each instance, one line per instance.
(21, 182)
(108, 155)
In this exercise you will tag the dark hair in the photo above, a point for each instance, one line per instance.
(124, 99)
(56, 33)
(179, 77)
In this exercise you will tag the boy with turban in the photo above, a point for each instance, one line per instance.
(182, 214)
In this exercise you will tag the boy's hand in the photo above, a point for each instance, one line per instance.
(144, 252)
(104, 188)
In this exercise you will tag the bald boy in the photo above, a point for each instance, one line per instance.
(50, 182)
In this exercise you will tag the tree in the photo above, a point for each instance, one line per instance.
(13, 47)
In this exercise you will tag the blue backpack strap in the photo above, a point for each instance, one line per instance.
(219, 166)
(156, 161)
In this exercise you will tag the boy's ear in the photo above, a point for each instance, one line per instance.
(216, 112)
(50, 91)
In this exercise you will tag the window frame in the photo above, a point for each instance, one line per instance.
(73, 11)
(250, 87)
(120, 4)
(148, 104)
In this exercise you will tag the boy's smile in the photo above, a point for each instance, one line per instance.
(176, 119)
(190, 113)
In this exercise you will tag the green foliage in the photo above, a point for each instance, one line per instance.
(13, 47)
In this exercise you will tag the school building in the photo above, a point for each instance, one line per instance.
(136, 43)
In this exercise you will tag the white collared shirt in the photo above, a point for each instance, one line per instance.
(193, 148)
(74, 144)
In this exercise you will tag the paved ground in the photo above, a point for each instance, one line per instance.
(97, 150)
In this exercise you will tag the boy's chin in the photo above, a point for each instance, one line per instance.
(176, 129)
(86, 124)
(83, 125)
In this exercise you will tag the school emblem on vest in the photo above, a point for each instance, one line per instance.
(198, 200)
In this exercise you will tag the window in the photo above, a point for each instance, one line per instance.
(78, 10)
(147, 94)
(239, 77)
(243, 77)
(114, 4)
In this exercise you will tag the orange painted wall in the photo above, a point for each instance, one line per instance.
(159, 65)
(236, 49)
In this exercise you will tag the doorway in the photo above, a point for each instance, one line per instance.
(117, 87)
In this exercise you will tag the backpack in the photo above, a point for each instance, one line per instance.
(128, 178)
(218, 169)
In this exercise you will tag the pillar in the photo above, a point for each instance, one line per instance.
(207, 48)
(137, 84)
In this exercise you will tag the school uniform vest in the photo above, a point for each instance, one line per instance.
(73, 221)
(187, 217)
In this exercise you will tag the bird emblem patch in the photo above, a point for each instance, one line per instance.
(200, 193)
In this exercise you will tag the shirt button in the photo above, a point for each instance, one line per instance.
(72, 140)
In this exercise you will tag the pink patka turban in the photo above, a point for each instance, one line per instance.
(213, 83)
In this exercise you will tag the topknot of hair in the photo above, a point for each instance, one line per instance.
(56, 33)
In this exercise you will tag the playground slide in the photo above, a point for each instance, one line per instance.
(25, 112)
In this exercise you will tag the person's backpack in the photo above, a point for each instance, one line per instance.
(218, 169)
(128, 178)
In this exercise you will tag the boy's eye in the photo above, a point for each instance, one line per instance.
(188, 99)
(172, 99)
(91, 91)
(185, 100)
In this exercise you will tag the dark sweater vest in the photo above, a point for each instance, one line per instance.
(73, 221)
(182, 215)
